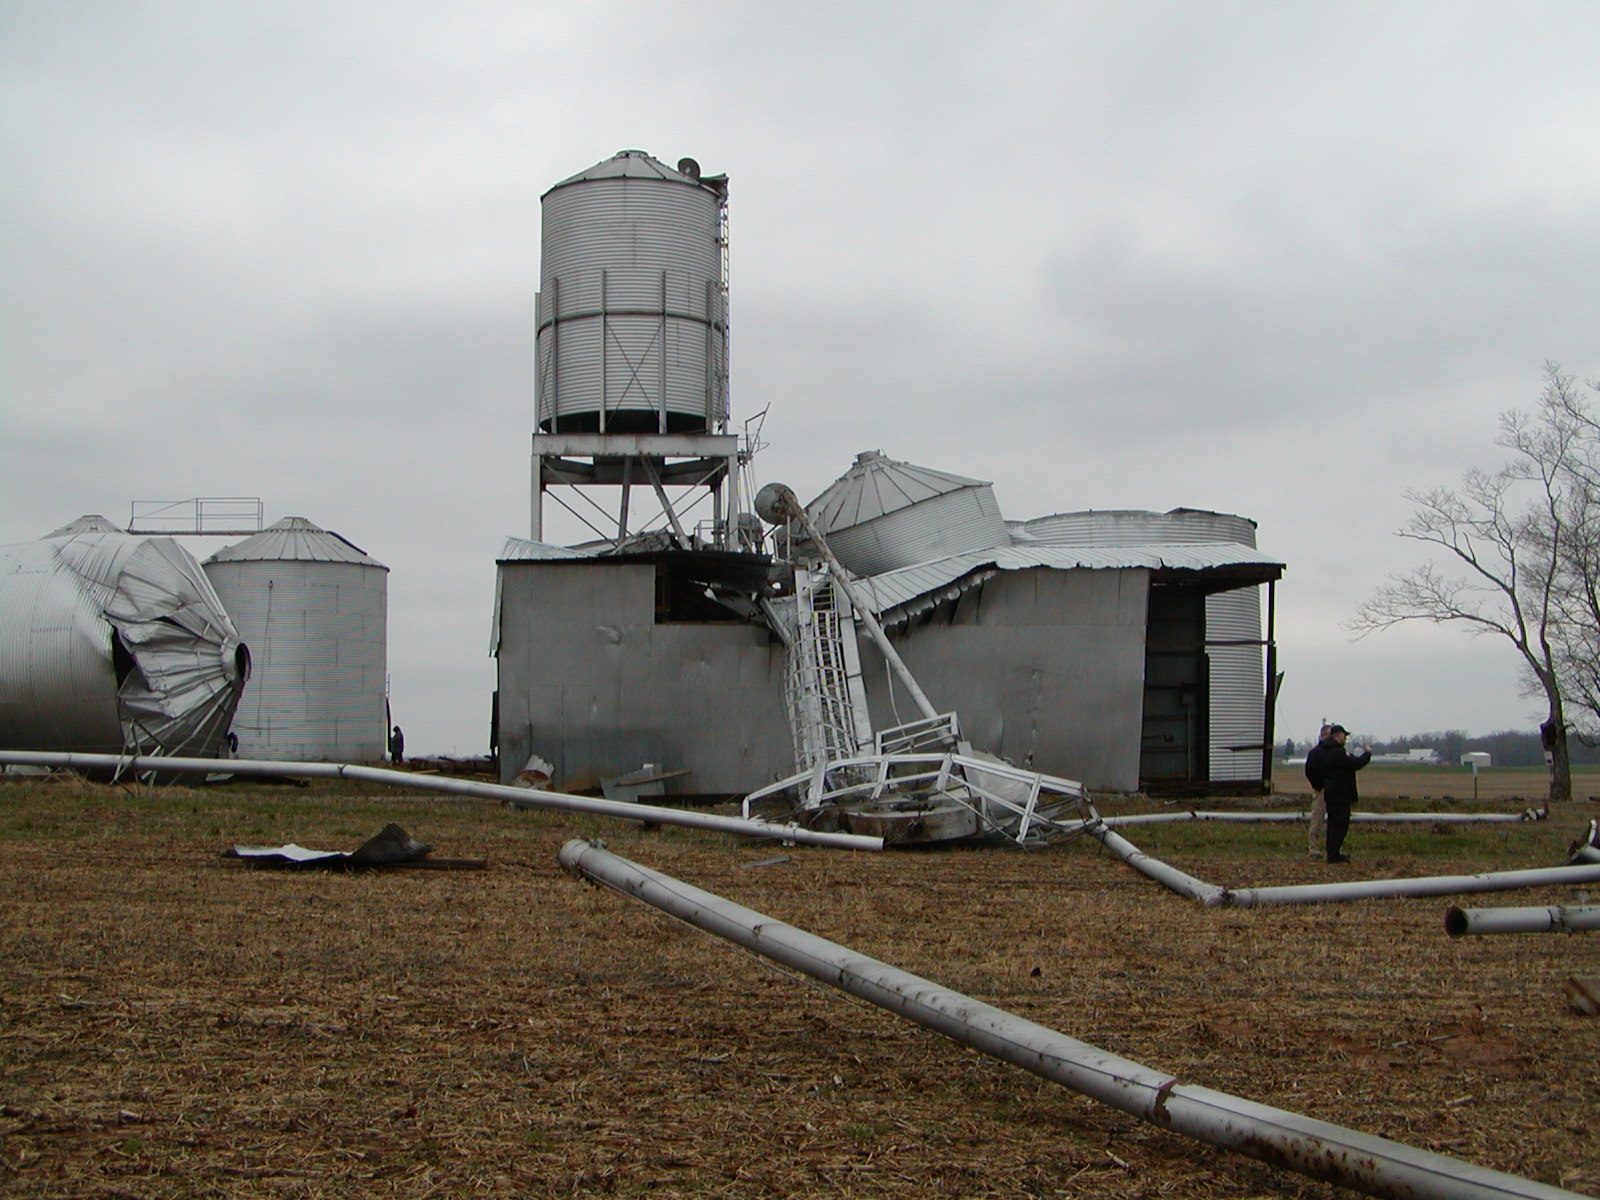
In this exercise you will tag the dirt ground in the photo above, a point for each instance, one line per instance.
(177, 1024)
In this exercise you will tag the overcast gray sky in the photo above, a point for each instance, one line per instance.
(1272, 259)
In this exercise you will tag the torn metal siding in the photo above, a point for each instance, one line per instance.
(112, 643)
(901, 594)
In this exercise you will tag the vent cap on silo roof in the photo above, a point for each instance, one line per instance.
(876, 485)
(295, 539)
(88, 523)
(630, 164)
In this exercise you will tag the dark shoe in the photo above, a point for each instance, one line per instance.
(1338, 858)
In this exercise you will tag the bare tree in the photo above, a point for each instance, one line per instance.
(1511, 538)
(1566, 431)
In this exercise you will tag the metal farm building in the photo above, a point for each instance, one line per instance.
(1236, 671)
(1125, 650)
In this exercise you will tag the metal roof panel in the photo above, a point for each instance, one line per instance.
(876, 484)
(295, 539)
(892, 589)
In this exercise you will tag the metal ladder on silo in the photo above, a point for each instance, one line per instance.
(827, 699)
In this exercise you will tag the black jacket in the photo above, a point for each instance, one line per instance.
(1334, 767)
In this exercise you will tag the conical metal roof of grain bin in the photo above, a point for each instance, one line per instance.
(314, 606)
(113, 643)
(883, 514)
(632, 310)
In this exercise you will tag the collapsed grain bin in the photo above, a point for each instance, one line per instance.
(883, 514)
(114, 643)
(314, 607)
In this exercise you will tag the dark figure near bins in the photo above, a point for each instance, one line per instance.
(397, 745)
(1332, 768)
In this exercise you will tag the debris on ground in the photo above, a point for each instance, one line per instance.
(392, 847)
(1584, 994)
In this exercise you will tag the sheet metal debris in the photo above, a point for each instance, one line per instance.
(392, 847)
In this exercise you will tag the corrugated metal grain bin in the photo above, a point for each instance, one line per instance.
(632, 307)
(112, 643)
(1233, 618)
(882, 515)
(314, 609)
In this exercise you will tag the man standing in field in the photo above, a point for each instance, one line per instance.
(1334, 767)
(1317, 821)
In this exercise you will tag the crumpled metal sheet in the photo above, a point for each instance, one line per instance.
(114, 643)
(391, 847)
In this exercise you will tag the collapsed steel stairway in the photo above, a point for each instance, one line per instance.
(826, 698)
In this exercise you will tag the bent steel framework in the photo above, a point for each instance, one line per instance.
(1374, 1165)
(910, 798)
(922, 783)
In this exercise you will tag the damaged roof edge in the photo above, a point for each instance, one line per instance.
(899, 595)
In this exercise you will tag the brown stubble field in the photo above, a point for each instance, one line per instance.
(176, 1024)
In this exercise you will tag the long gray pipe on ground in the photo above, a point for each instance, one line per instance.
(1163, 873)
(1213, 896)
(1245, 818)
(1458, 922)
(1430, 885)
(1346, 1157)
(523, 797)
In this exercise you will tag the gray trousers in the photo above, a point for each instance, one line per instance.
(1318, 825)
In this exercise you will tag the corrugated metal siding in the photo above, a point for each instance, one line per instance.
(907, 585)
(631, 309)
(1237, 692)
(1135, 527)
(58, 690)
(591, 682)
(65, 601)
(951, 523)
(318, 632)
(1238, 682)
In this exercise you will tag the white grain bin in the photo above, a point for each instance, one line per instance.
(113, 643)
(882, 514)
(1233, 618)
(314, 609)
(632, 307)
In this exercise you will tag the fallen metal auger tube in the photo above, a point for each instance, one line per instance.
(1458, 922)
(1428, 885)
(521, 797)
(1213, 896)
(1163, 873)
(1314, 1148)
(1587, 848)
(1268, 818)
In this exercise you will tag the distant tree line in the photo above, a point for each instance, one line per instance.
(1507, 747)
